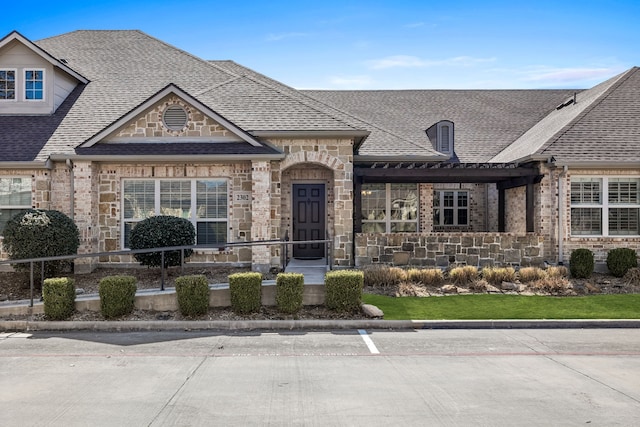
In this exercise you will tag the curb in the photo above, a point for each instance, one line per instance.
(310, 325)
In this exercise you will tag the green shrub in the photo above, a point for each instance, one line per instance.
(497, 275)
(426, 276)
(193, 295)
(59, 295)
(383, 275)
(581, 263)
(246, 292)
(620, 260)
(35, 233)
(343, 290)
(463, 275)
(531, 274)
(289, 290)
(162, 231)
(557, 271)
(117, 295)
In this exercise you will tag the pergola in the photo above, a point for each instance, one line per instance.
(504, 175)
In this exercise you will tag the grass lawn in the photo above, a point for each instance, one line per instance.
(479, 307)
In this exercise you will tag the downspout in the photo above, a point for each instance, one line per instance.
(71, 189)
(561, 214)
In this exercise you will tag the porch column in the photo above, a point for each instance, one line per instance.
(357, 204)
(260, 214)
(501, 210)
(530, 198)
(86, 211)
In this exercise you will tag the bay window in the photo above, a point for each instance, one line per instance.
(389, 208)
(204, 202)
(605, 206)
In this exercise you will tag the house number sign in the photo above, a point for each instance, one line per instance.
(242, 197)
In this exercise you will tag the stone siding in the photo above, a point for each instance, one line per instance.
(446, 250)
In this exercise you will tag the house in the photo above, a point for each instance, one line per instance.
(111, 127)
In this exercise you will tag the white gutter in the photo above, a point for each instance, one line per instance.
(308, 133)
(167, 158)
(601, 165)
(561, 213)
(26, 165)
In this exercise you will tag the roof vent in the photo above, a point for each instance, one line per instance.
(175, 118)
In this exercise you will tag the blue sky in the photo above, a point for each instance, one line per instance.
(376, 44)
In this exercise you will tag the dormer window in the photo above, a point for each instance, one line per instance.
(445, 137)
(34, 85)
(7, 85)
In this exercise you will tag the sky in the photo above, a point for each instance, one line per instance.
(374, 44)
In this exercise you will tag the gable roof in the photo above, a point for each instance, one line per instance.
(602, 125)
(485, 121)
(14, 35)
(127, 67)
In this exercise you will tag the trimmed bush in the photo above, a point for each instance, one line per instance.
(59, 296)
(35, 233)
(581, 263)
(620, 260)
(531, 274)
(344, 290)
(117, 295)
(463, 275)
(158, 232)
(289, 290)
(497, 275)
(383, 275)
(246, 292)
(426, 276)
(193, 295)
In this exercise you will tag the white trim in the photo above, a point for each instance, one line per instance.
(440, 143)
(388, 221)
(16, 87)
(24, 84)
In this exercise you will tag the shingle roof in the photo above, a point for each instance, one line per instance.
(485, 121)
(126, 67)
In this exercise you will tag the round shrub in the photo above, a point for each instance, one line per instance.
(193, 295)
(620, 260)
(162, 231)
(36, 233)
(581, 263)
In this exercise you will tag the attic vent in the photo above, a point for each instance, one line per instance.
(175, 117)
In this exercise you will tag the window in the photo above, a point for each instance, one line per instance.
(389, 208)
(34, 84)
(451, 208)
(203, 202)
(445, 137)
(605, 206)
(7, 85)
(15, 196)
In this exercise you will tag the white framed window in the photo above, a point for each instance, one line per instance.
(605, 206)
(15, 196)
(451, 208)
(204, 202)
(389, 208)
(34, 85)
(7, 85)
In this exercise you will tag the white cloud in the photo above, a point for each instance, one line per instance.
(407, 61)
(563, 75)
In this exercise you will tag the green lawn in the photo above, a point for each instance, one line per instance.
(467, 307)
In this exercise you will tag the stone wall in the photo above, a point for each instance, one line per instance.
(450, 249)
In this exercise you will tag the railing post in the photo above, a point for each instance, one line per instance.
(162, 267)
(31, 283)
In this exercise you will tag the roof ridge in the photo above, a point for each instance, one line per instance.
(226, 82)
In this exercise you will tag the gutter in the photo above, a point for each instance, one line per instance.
(561, 213)
(26, 165)
(166, 158)
(601, 165)
(405, 158)
(309, 133)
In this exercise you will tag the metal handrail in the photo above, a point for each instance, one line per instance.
(162, 251)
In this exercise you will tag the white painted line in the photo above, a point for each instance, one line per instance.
(367, 340)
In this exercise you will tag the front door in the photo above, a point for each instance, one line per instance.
(309, 219)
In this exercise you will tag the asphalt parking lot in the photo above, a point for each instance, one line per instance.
(524, 377)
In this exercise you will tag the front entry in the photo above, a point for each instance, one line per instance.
(309, 206)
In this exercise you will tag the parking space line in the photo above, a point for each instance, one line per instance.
(367, 340)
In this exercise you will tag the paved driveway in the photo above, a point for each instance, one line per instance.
(587, 377)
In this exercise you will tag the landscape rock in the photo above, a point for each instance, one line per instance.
(509, 286)
(372, 311)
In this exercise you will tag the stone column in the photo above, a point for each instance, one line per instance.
(86, 213)
(260, 214)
